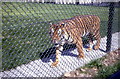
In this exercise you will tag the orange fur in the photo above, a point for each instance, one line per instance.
(75, 28)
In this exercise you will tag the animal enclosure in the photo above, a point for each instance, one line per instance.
(25, 29)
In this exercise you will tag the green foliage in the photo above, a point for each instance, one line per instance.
(105, 72)
(95, 63)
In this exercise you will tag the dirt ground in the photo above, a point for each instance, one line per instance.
(108, 60)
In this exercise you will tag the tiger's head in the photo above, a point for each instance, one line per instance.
(57, 33)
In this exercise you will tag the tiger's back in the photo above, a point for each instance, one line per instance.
(83, 24)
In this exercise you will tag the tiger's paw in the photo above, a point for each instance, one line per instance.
(95, 47)
(54, 64)
(81, 56)
(89, 49)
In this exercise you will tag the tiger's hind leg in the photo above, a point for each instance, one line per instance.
(89, 48)
(90, 39)
(97, 37)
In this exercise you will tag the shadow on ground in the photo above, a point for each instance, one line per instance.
(49, 54)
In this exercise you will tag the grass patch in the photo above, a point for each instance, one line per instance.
(95, 63)
(100, 68)
(26, 25)
(105, 72)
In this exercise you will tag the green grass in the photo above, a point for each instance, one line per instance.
(103, 71)
(106, 72)
(95, 63)
(26, 25)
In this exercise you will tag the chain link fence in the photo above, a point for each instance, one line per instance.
(25, 28)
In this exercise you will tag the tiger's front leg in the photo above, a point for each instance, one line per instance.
(59, 50)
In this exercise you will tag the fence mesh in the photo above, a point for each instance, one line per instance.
(25, 28)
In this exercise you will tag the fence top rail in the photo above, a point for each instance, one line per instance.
(63, 1)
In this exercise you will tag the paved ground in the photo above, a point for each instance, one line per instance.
(69, 62)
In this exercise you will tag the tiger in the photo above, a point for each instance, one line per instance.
(72, 30)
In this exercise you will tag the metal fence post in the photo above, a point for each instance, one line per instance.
(110, 21)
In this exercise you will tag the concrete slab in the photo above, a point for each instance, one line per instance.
(69, 62)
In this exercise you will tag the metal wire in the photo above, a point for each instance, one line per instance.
(25, 34)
